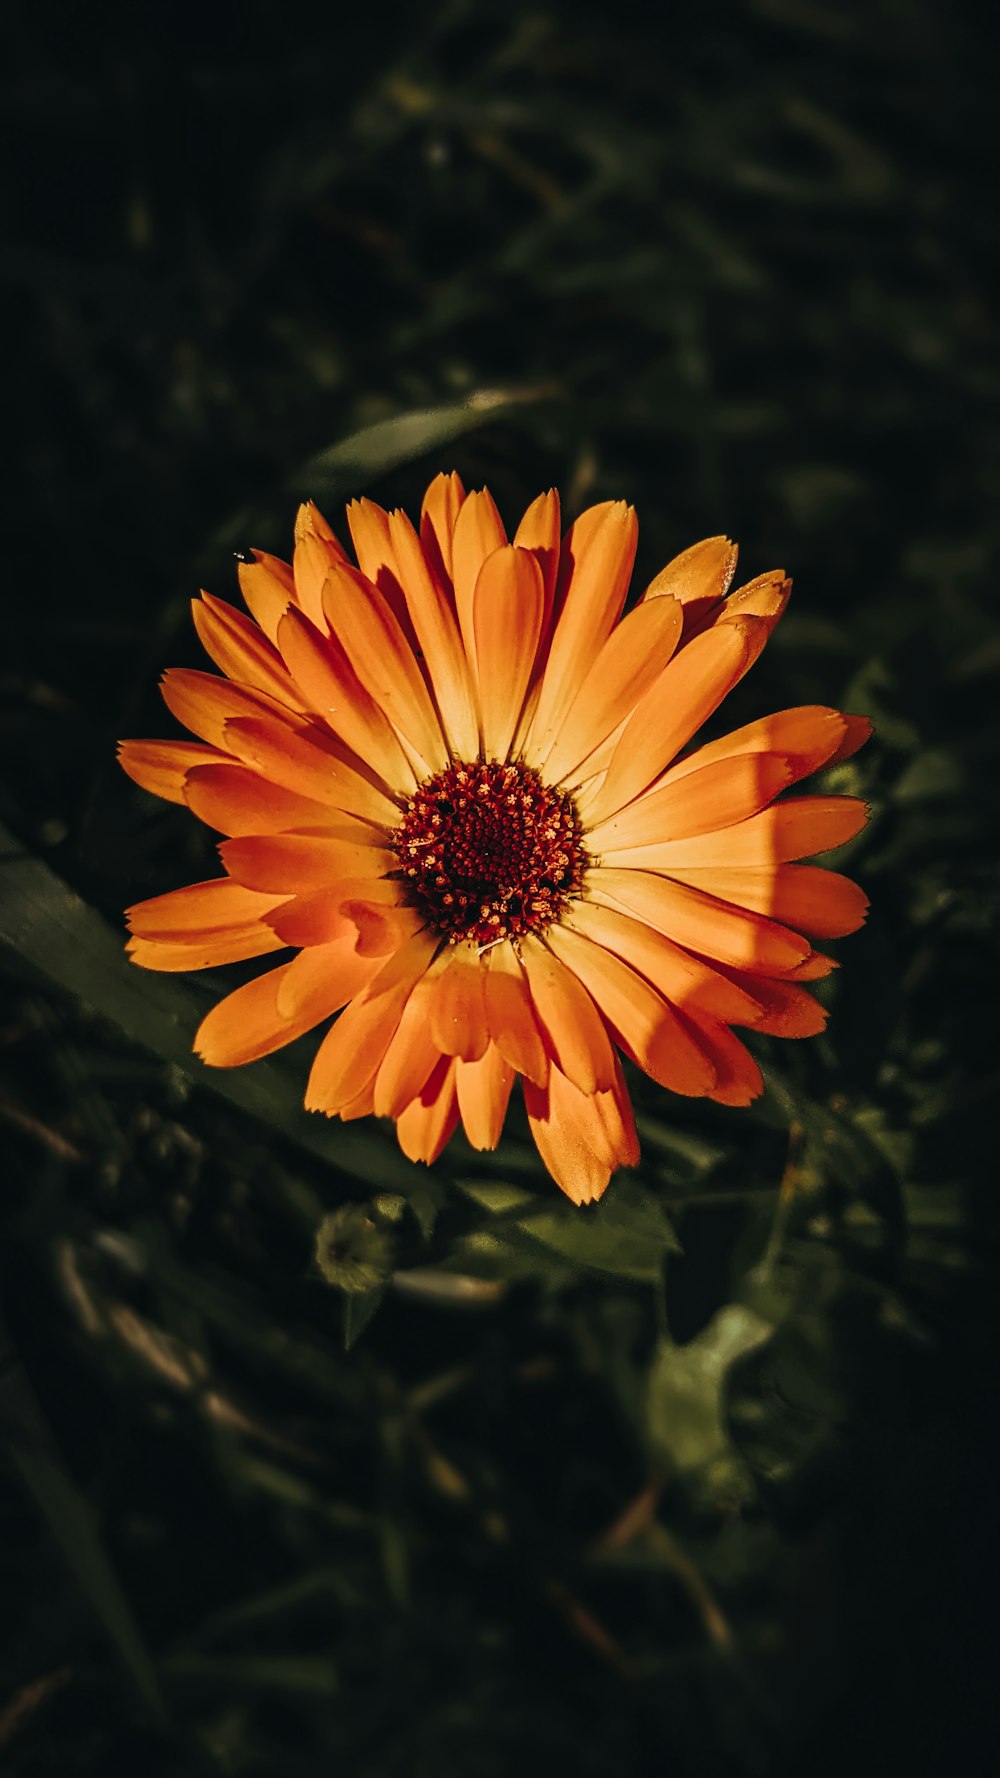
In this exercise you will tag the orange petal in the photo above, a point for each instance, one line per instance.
(198, 910)
(234, 945)
(322, 670)
(788, 1010)
(738, 1079)
(283, 757)
(430, 1119)
(313, 919)
(582, 1138)
(646, 1025)
(690, 688)
(682, 979)
(539, 532)
(456, 1005)
(595, 565)
(510, 1013)
(316, 550)
(806, 738)
(322, 979)
(858, 731)
(248, 1024)
(507, 619)
(204, 703)
(380, 920)
(700, 574)
(699, 921)
(478, 533)
(443, 502)
(573, 1028)
(162, 766)
(633, 656)
(268, 590)
(438, 636)
(297, 863)
(704, 801)
(384, 662)
(350, 1055)
(794, 829)
(236, 800)
(241, 650)
(411, 1057)
(818, 902)
(484, 1088)
(764, 597)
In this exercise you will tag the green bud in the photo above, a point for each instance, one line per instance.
(352, 1252)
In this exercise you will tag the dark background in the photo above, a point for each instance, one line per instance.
(738, 266)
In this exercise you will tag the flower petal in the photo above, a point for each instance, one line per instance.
(582, 1137)
(241, 650)
(296, 863)
(249, 1024)
(442, 504)
(479, 532)
(738, 1079)
(457, 1006)
(510, 1013)
(794, 829)
(682, 979)
(484, 1088)
(350, 1055)
(204, 703)
(812, 900)
(162, 766)
(807, 738)
(690, 688)
(284, 757)
(644, 1022)
(384, 661)
(573, 1028)
(268, 590)
(507, 620)
(539, 532)
(704, 801)
(430, 1119)
(173, 956)
(236, 800)
(321, 668)
(633, 656)
(316, 551)
(411, 1056)
(438, 636)
(199, 909)
(322, 979)
(700, 921)
(699, 576)
(595, 565)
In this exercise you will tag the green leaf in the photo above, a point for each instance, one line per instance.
(349, 466)
(74, 1527)
(68, 942)
(627, 1235)
(685, 1420)
(313, 1676)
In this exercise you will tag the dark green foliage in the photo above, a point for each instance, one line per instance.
(694, 1481)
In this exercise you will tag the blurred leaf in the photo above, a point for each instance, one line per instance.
(313, 1676)
(74, 1527)
(626, 1235)
(50, 927)
(685, 1420)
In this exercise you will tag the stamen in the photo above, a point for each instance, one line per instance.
(489, 852)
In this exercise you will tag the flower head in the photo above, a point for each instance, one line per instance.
(461, 787)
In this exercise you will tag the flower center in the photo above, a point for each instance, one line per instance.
(489, 851)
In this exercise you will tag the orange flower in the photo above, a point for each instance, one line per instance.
(457, 782)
